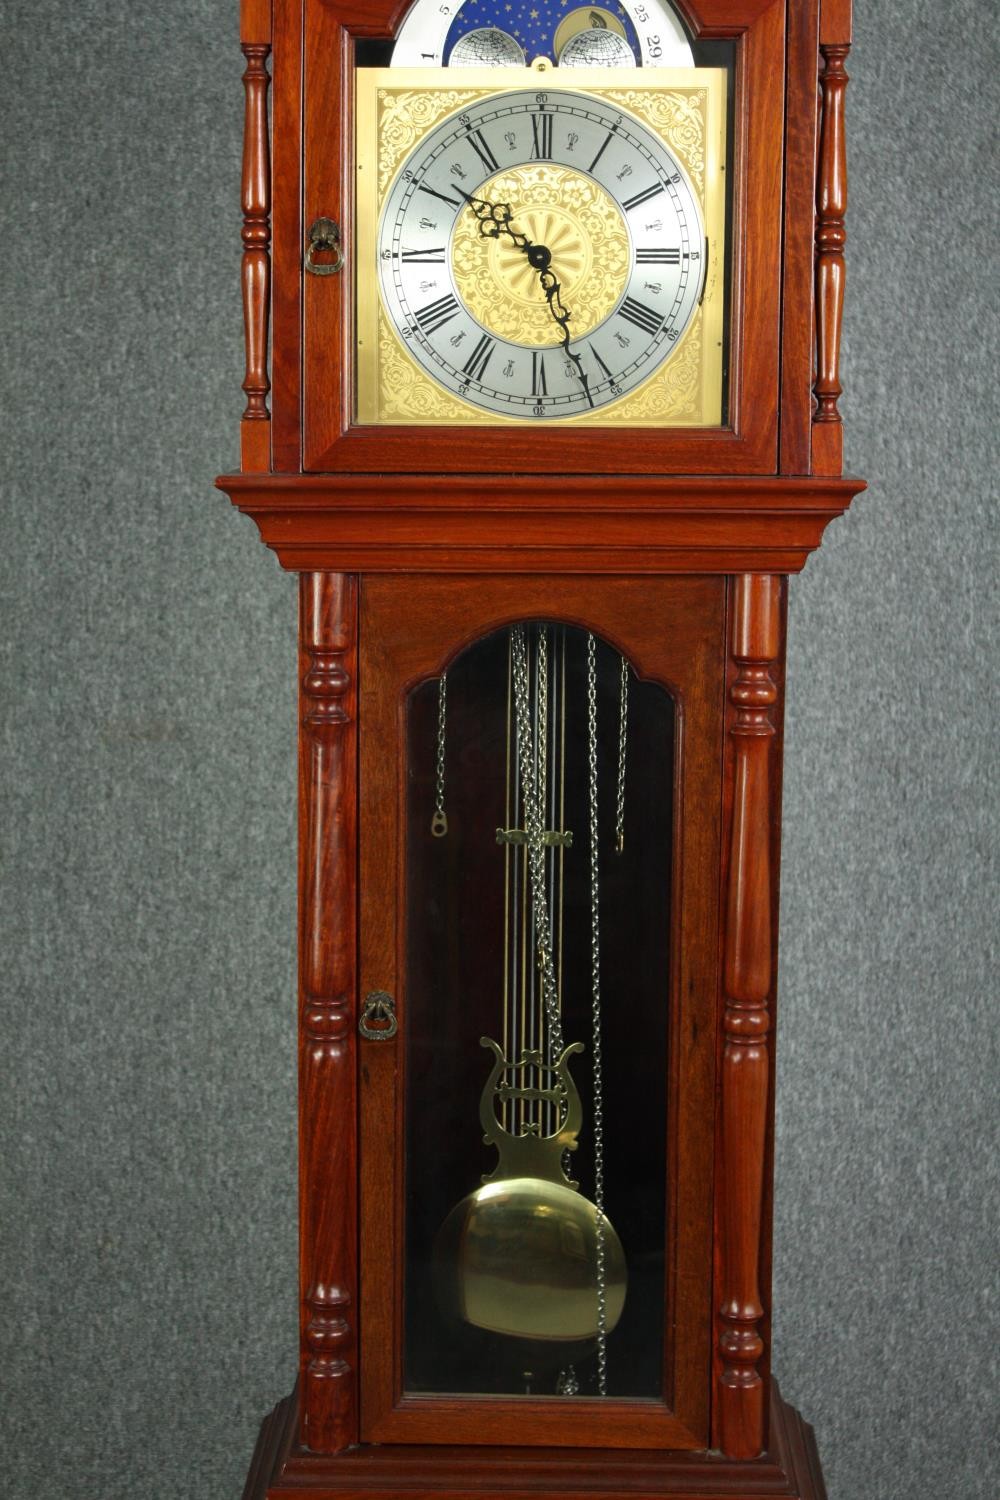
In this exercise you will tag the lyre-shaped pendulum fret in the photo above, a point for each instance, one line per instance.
(519, 1256)
(532, 1153)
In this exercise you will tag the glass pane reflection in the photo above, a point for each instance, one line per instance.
(537, 979)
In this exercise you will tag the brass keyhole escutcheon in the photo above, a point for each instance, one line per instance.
(380, 1009)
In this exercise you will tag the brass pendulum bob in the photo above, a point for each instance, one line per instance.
(519, 1256)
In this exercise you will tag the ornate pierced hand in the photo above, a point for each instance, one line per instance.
(495, 219)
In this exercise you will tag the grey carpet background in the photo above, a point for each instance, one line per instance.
(148, 1254)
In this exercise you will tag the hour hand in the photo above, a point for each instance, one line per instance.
(495, 220)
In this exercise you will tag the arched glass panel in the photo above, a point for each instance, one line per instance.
(537, 983)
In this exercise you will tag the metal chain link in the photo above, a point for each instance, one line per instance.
(534, 828)
(595, 975)
(543, 718)
(622, 737)
(439, 822)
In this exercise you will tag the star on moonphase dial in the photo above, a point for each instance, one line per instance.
(621, 227)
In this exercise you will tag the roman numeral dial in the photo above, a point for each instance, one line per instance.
(539, 257)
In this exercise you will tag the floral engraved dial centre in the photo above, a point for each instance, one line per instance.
(584, 231)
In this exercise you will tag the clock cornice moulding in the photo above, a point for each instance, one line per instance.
(475, 523)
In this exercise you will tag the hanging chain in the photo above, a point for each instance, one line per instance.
(439, 822)
(543, 720)
(622, 737)
(534, 828)
(541, 787)
(595, 975)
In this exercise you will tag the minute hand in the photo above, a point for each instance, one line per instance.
(495, 220)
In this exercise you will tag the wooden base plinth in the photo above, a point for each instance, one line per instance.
(282, 1471)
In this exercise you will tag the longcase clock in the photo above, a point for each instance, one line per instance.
(542, 307)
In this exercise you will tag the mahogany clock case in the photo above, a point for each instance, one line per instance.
(411, 548)
(772, 370)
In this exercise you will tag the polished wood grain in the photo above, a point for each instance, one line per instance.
(255, 20)
(747, 442)
(831, 237)
(475, 524)
(798, 341)
(328, 1014)
(677, 545)
(747, 979)
(410, 628)
(256, 275)
(282, 1471)
(289, 240)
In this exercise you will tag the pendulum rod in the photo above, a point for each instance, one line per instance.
(534, 843)
(595, 974)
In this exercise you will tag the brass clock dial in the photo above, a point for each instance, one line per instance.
(541, 254)
(583, 228)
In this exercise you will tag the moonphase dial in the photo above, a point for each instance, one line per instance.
(540, 254)
(466, 32)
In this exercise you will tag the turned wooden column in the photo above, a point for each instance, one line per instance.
(831, 267)
(328, 1022)
(747, 980)
(255, 41)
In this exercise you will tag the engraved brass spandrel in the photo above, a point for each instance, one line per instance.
(404, 116)
(677, 116)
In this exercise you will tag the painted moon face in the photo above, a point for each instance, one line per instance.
(434, 35)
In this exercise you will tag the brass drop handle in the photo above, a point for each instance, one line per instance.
(380, 1008)
(324, 235)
